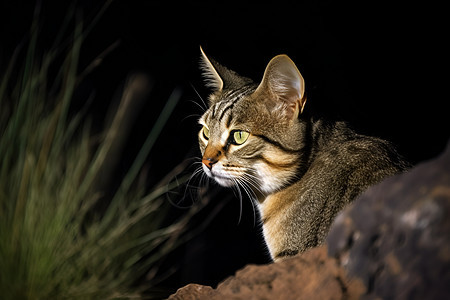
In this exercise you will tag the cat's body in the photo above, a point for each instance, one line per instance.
(339, 166)
(301, 170)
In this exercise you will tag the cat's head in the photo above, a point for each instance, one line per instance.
(250, 135)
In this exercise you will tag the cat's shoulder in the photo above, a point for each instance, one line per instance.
(341, 143)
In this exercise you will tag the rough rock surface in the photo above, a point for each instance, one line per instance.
(393, 241)
(312, 275)
(396, 236)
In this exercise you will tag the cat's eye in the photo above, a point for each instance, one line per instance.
(240, 137)
(205, 132)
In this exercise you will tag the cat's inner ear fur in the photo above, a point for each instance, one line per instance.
(284, 84)
(212, 77)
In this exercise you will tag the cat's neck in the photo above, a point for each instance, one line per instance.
(319, 135)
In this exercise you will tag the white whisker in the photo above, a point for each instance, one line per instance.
(198, 104)
(197, 116)
(253, 182)
(204, 107)
(239, 194)
(247, 187)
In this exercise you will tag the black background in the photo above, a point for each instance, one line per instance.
(376, 64)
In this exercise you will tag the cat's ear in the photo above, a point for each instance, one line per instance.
(212, 77)
(284, 84)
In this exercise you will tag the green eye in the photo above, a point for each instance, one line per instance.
(205, 131)
(240, 137)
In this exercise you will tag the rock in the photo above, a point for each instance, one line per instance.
(393, 242)
(396, 236)
(313, 275)
(192, 292)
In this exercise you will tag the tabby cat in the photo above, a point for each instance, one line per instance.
(301, 170)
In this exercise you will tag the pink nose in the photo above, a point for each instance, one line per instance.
(211, 156)
(209, 162)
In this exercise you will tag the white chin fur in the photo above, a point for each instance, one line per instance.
(216, 174)
(271, 181)
(224, 182)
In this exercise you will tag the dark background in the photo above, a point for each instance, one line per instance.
(376, 64)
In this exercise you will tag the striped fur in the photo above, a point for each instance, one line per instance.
(301, 171)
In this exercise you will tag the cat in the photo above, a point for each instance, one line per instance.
(302, 170)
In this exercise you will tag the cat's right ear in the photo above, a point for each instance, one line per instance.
(285, 86)
(212, 77)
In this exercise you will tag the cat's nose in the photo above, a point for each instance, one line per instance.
(209, 162)
(211, 156)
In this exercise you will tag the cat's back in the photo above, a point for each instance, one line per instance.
(339, 144)
(349, 161)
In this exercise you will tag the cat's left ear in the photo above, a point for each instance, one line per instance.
(213, 79)
(283, 83)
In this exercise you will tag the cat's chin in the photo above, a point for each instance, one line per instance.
(222, 180)
(225, 182)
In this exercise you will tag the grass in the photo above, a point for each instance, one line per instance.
(54, 241)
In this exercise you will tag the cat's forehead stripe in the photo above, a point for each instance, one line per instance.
(217, 108)
(230, 106)
(230, 117)
(229, 100)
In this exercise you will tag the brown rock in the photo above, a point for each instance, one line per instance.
(312, 275)
(193, 291)
(396, 236)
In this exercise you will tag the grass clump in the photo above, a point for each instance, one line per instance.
(53, 243)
